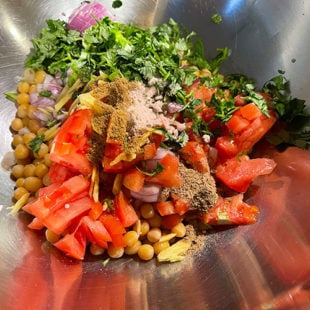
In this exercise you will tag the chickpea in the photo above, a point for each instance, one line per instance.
(154, 234)
(39, 77)
(29, 170)
(22, 98)
(51, 236)
(46, 180)
(20, 182)
(115, 252)
(22, 110)
(30, 112)
(32, 184)
(145, 252)
(17, 124)
(142, 228)
(42, 151)
(131, 237)
(28, 137)
(33, 88)
(23, 87)
(96, 249)
(21, 151)
(155, 221)
(17, 139)
(179, 230)
(34, 125)
(41, 170)
(147, 211)
(160, 246)
(19, 192)
(131, 250)
(18, 171)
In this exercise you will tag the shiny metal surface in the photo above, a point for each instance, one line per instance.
(240, 268)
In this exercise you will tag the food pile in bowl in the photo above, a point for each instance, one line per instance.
(130, 142)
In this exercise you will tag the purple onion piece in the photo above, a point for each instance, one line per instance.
(174, 107)
(85, 16)
(149, 193)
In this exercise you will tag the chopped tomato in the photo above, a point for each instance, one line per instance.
(111, 151)
(170, 176)
(96, 210)
(55, 196)
(133, 179)
(115, 229)
(194, 154)
(59, 173)
(73, 245)
(165, 207)
(70, 145)
(231, 210)
(181, 205)
(245, 128)
(201, 92)
(238, 173)
(96, 232)
(35, 224)
(149, 151)
(62, 218)
(177, 205)
(124, 210)
(171, 220)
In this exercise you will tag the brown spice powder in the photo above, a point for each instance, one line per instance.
(198, 188)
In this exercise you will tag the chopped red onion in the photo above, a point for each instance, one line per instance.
(149, 193)
(85, 16)
(174, 107)
(41, 115)
(44, 102)
(33, 97)
(161, 152)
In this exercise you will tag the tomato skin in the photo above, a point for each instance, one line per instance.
(238, 173)
(71, 144)
(170, 175)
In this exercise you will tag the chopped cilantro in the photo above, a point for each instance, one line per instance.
(159, 168)
(45, 93)
(35, 143)
(216, 18)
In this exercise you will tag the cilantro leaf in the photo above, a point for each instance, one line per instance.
(35, 143)
(159, 168)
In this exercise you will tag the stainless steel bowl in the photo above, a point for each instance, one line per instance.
(249, 267)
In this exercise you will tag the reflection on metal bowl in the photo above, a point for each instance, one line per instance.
(261, 266)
